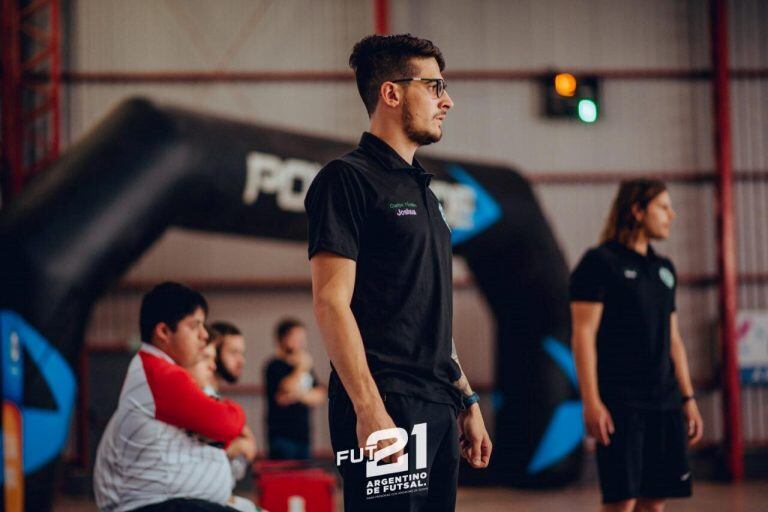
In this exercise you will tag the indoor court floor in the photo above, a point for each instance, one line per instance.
(708, 497)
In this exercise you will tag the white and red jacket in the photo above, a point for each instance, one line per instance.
(151, 452)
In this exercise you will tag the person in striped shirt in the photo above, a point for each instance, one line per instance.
(151, 456)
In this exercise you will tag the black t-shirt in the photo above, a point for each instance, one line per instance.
(290, 421)
(371, 206)
(634, 366)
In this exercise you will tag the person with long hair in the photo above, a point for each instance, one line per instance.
(632, 366)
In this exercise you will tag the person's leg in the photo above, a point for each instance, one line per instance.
(405, 491)
(666, 473)
(283, 448)
(620, 463)
(619, 506)
(650, 505)
(185, 505)
(444, 474)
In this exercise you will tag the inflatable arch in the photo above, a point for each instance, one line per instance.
(78, 227)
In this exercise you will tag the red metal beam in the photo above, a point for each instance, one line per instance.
(31, 84)
(305, 285)
(726, 243)
(11, 142)
(582, 178)
(502, 75)
(381, 16)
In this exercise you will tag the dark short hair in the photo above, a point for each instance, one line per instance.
(284, 327)
(168, 303)
(376, 59)
(220, 329)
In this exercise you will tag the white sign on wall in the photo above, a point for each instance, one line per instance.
(752, 336)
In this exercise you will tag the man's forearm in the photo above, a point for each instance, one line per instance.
(344, 344)
(462, 384)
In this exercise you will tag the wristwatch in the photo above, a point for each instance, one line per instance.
(467, 401)
(686, 398)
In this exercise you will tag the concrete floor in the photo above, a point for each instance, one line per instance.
(708, 497)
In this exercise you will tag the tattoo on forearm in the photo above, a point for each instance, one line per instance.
(462, 384)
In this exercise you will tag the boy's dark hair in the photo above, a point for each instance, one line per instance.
(377, 59)
(168, 303)
(284, 327)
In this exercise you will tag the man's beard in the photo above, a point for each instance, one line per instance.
(422, 138)
(223, 372)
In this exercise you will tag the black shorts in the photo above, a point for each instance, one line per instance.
(647, 457)
(429, 484)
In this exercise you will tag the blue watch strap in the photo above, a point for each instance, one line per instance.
(467, 401)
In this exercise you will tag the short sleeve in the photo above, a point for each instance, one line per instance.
(674, 286)
(335, 206)
(590, 278)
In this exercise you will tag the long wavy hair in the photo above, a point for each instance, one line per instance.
(621, 225)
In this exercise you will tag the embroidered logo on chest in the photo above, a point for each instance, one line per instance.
(630, 273)
(667, 277)
(405, 208)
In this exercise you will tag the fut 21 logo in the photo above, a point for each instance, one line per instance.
(373, 468)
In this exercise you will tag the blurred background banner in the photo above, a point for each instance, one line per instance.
(144, 168)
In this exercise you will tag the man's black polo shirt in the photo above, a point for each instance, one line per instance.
(634, 366)
(371, 206)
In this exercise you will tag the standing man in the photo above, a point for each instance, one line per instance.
(380, 254)
(292, 388)
(633, 371)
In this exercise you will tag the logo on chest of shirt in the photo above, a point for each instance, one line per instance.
(630, 273)
(404, 208)
(667, 277)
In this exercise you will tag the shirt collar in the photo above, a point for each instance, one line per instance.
(388, 157)
(154, 351)
(651, 255)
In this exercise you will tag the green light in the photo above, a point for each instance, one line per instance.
(587, 111)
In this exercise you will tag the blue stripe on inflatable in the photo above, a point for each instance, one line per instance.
(566, 429)
(44, 431)
(563, 357)
(487, 210)
(562, 436)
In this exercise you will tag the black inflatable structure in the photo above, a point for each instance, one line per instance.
(144, 168)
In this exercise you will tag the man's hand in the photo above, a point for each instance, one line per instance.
(598, 421)
(244, 444)
(693, 423)
(474, 440)
(372, 420)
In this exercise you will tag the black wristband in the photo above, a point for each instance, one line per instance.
(686, 398)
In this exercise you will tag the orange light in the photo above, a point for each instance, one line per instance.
(565, 84)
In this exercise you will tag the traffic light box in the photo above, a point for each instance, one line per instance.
(570, 96)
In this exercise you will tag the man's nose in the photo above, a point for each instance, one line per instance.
(445, 101)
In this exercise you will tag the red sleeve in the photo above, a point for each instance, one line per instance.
(181, 403)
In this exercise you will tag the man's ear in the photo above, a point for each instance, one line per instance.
(390, 94)
(162, 334)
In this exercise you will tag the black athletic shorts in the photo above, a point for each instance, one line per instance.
(647, 456)
(429, 484)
